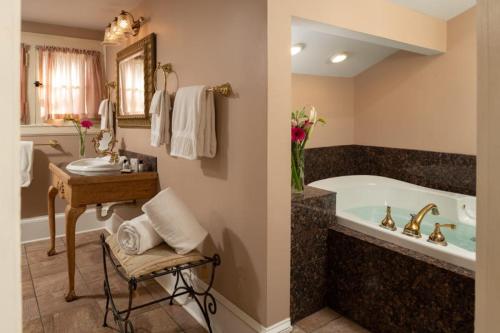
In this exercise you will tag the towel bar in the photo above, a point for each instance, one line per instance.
(52, 143)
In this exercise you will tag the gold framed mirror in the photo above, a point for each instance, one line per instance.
(104, 143)
(135, 67)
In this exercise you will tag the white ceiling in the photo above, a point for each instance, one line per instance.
(90, 14)
(320, 46)
(443, 9)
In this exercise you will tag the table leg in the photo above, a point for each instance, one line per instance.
(51, 196)
(72, 214)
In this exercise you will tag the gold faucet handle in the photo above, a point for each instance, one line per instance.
(437, 237)
(388, 222)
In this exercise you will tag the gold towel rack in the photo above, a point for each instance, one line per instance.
(52, 143)
(224, 89)
(166, 69)
(109, 86)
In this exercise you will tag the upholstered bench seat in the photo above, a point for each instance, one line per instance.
(158, 261)
(153, 260)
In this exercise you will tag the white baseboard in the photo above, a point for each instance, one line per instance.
(229, 318)
(37, 228)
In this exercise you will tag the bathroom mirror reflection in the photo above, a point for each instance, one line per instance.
(135, 68)
(131, 84)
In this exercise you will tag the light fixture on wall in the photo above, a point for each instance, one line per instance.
(339, 57)
(297, 48)
(122, 27)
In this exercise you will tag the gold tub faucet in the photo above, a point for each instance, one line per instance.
(412, 228)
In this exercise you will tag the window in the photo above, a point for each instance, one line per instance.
(70, 83)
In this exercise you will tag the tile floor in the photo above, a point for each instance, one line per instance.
(327, 321)
(44, 282)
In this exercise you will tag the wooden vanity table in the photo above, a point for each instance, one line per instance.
(81, 190)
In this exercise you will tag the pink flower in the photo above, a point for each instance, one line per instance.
(298, 134)
(86, 123)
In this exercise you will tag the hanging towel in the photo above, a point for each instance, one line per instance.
(160, 118)
(193, 123)
(26, 163)
(137, 235)
(106, 111)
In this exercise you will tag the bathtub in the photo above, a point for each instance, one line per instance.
(362, 201)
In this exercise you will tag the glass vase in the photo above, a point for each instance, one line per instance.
(82, 146)
(297, 168)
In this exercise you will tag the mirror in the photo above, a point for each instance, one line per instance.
(135, 67)
(104, 143)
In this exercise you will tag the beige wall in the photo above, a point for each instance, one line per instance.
(422, 102)
(488, 219)
(33, 198)
(333, 97)
(211, 43)
(61, 30)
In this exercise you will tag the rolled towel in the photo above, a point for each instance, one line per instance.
(174, 222)
(137, 235)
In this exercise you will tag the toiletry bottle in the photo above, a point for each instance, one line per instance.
(134, 164)
(126, 165)
(141, 166)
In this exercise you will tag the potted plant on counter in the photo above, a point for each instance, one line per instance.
(302, 127)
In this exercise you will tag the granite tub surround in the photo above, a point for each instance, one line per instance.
(441, 171)
(150, 162)
(386, 288)
(312, 213)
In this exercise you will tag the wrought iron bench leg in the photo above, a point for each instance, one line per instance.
(209, 305)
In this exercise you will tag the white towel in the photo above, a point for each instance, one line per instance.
(160, 118)
(137, 236)
(26, 163)
(174, 222)
(106, 111)
(193, 123)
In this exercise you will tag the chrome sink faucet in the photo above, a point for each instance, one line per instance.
(412, 228)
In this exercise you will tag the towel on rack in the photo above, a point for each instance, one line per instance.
(26, 163)
(106, 111)
(160, 118)
(193, 123)
(137, 235)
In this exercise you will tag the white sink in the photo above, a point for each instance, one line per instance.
(98, 164)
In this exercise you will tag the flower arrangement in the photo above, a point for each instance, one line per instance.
(81, 127)
(302, 128)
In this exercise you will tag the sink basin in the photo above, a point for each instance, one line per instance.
(99, 164)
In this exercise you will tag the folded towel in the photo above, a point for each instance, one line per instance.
(137, 236)
(174, 222)
(26, 163)
(106, 109)
(160, 118)
(193, 123)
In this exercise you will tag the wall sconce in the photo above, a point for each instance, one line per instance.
(122, 27)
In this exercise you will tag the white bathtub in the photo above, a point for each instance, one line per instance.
(361, 202)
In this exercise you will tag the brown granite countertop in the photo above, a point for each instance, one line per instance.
(404, 251)
(313, 197)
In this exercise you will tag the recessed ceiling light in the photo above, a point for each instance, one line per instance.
(339, 57)
(297, 48)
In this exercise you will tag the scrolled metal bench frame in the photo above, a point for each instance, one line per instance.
(207, 304)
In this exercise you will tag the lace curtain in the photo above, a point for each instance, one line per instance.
(72, 82)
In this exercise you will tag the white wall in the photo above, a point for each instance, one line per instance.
(10, 282)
